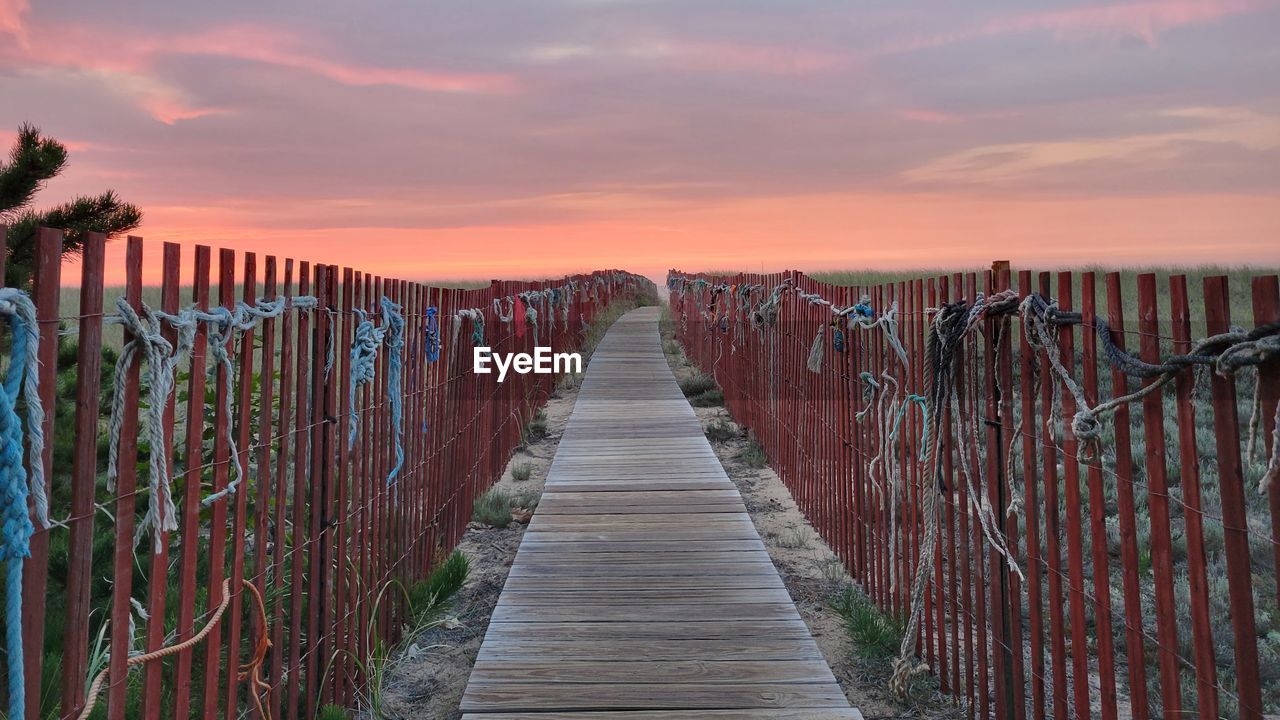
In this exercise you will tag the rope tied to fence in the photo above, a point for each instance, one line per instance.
(865, 319)
(1227, 353)
(95, 688)
(20, 381)
(225, 325)
(431, 334)
(393, 337)
(369, 337)
(950, 325)
(147, 341)
(476, 316)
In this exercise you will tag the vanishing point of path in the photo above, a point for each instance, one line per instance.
(641, 589)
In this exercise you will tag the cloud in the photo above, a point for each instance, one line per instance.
(135, 66)
(11, 19)
(700, 56)
(1143, 20)
(1030, 163)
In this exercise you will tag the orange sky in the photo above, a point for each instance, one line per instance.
(447, 141)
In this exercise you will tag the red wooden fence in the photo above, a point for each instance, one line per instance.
(1151, 573)
(314, 527)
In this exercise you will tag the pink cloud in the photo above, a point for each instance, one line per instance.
(772, 60)
(284, 49)
(1145, 20)
(928, 116)
(130, 66)
(11, 18)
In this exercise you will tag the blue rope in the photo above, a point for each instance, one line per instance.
(837, 340)
(16, 531)
(431, 335)
(364, 354)
(393, 318)
(865, 310)
(923, 402)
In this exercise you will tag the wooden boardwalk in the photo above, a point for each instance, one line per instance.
(641, 589)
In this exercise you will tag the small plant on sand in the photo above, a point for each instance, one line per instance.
(697, 384)
(874, 634)
(710, 398)
(521, 472)
(494, 507)
(832, 571)
(720, 430)
(432, 595)
(795, 539)
(754, 455)
(536, 428)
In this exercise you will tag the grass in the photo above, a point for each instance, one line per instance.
(428, 602)
(536, 428)
(494, 507)
(874, 635)
(721, 430)
(753, 455)
(333, 712)
(795, 539)
(521, 471)
(702, 391)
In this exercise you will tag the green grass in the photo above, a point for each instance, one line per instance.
(754, 455)
(702, 391)
(536, 428)
(333, 712)
(494, 507)
(521, 471)
(873, 634)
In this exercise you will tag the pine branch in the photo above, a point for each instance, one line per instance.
(33, 160)
(104, 213)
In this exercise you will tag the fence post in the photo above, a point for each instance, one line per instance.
(999, 375)
(84, 477)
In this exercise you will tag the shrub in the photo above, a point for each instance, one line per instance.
(708, 398)
(520, 472)
(720, 430)
(494, 507)
(536, 428)
(754, 455)
(697, 384)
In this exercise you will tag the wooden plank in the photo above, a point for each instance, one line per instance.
(700, 671)
(741, 714)
(643, 629)
(586, 696)
(518, 597)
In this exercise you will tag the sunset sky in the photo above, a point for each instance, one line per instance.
(470, 139)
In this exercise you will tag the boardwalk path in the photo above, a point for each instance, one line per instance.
(641, 589)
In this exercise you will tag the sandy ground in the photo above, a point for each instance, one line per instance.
(427, 682)
(813, 575)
